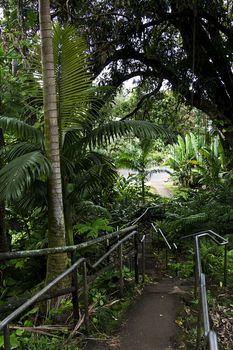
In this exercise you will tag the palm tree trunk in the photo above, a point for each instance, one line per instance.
(68, 211)
(143, 188)
(56, 226)
(69, 224)
(4, 244)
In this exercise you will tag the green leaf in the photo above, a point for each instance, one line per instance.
(21, 129)
(1, 341)
(14, 341)
(28, 323)
(21, 172)
(92, 229)
(19, 332)
(106, 133)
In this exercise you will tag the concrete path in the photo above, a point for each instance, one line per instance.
(157, 180)
(150, 322)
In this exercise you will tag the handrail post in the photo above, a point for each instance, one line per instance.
(75, 298)
(121, 281)
(143, 259)
(198, 340)
(210, 335)
(158, 241)
(6, 335)
(225, 266)
(166, 259)
(86, 302)
(107, 249)
(136, 259)
(195, 270)
(176, 259)
(212, 340)
(129, 263)
(197, 282)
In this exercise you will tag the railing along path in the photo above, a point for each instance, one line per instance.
(210, 336)
(123, 236)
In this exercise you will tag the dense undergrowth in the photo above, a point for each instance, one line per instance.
(187, 212)
(106, 310)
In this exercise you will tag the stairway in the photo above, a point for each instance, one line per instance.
(150, 321)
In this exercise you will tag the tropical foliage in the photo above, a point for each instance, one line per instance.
(102, 129)
(81, 129)
(137, 157)
(197, 162)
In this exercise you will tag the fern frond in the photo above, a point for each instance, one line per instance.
(194, 218)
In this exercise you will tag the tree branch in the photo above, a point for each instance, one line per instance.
(142, 100)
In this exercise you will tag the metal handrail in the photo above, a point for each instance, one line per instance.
(114, 247)
(211, 234)
(135, 221)
(158, 230)
(210, 335)
(66, 249)
(5, 322)
(219, 240)
(35, 297)
(169, 246)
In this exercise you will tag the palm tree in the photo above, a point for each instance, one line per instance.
(81, 130)
(138, 158)
(56, 263)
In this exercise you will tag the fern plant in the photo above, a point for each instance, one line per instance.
(92, 230)
(200, 210)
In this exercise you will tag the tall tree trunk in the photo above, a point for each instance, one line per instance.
(4, 244)
(56, 226)
(143, 187)
(68, 211)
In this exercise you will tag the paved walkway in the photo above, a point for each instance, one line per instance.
(157, 180)
(150, 322)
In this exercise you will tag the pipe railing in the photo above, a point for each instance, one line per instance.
(219, 240)
(135, 221)
(67, 249)
(210, 337)
(4, 324)
(170, 247)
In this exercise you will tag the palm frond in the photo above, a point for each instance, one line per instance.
(72, 72)
(106, 133)
(21, 129)
(17, 176)
(94, 172)
(35, 196)
(18, 149)
(67, 167)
